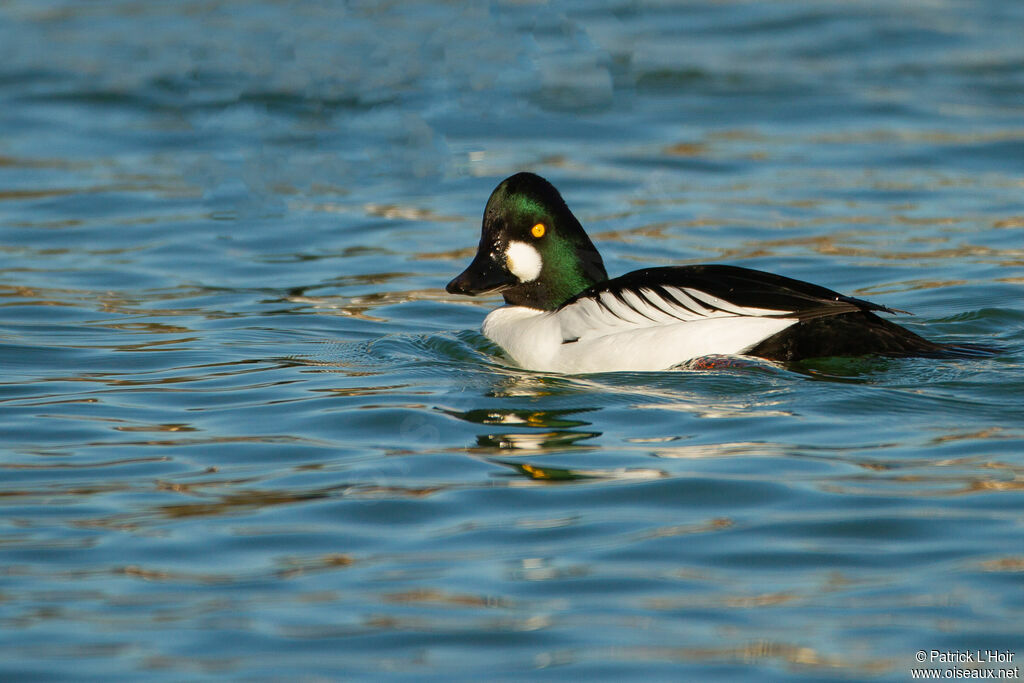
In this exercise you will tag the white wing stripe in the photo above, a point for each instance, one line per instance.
(653, 299)
(723, 305)
(612, 312)
(618, 308)
(680, 299)
(636, 301)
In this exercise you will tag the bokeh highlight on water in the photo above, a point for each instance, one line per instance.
(245, 434)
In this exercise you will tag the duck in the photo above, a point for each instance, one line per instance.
(563, 314)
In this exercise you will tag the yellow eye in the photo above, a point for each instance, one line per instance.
(538, 230)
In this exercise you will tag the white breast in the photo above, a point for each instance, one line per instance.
(532, 337)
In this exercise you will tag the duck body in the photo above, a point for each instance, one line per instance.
(563, 314)
(658, 318)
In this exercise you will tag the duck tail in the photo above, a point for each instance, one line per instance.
(969, 350)
(858, 333)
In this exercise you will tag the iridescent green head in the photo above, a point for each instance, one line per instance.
(532, 249)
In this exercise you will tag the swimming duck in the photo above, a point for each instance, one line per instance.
(563, 314)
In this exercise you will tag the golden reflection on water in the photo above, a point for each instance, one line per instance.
(794, 656)
(172, 427)
(26, 162)
(435, 596)
(1012, 563)
(138, 572)
(731, 601)
(916, 135)
(64, 464)
(359, 306)
(391, 211)
(922, 486)
(295, 567)
(20, 195)
(711, 525)
(118, 302)
(847, 243)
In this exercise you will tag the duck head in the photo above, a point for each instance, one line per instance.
(532, 249)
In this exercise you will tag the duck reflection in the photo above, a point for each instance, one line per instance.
(551, 432)
(549, 429)
(548, 473)
(534, 442)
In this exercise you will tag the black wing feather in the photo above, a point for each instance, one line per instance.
(739, 286)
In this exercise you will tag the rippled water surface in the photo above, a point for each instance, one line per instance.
(245, 434)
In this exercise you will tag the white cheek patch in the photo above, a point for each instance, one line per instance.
(523, 261)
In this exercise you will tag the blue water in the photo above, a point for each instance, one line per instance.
(246, 435)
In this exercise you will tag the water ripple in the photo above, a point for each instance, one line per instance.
(245, 432)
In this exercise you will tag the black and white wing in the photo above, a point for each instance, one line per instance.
(655, 297)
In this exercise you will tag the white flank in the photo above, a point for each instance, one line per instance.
(523, 261)
(621, 339)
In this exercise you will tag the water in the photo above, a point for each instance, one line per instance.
(245, 434)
